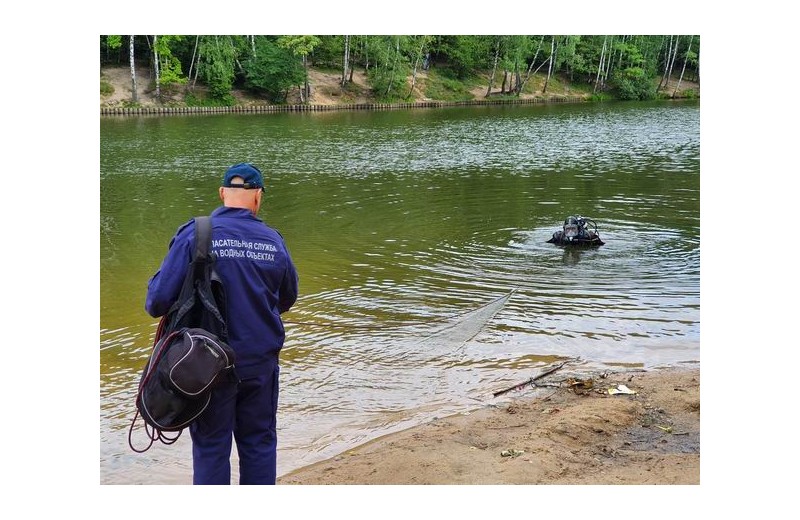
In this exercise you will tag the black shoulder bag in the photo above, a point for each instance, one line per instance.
(190, 354)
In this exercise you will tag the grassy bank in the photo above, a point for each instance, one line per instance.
(326, 91)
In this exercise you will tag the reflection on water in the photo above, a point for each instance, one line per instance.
(404, 226)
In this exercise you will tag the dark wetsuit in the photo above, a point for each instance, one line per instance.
(583, 238)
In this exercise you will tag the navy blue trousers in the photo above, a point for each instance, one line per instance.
(244, 411)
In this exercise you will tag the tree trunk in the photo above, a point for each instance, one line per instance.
(394, 65)
(505, 81)
(194, 53)
(346, 59)
(416, 64)
(494, 67)
(621, 54)
(661, 83)
(528, 74)
(555, 56)
(610, 55)
(600, 65)
(352, 68)
(366, 55)
(155, 64)
(550, 66)
(672, 63)
(666, 64)
(197, 69)
(306, 86)
(134, 95)
(685, 59)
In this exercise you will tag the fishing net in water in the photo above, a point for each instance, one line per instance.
(458, 330)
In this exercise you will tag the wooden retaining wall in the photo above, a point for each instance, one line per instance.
(163, 111)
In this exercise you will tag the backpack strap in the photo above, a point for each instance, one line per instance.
(202, 247)
(202, 235)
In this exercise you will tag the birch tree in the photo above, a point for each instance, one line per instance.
(494, 65)
(517, 49)
(662, 83)
(346, 59)
(607, 68)
(521, 85)
(194, 55)
(155, 65)
(366, 54)
(672, 63)
(685, 59)
(600, 65)
(134, 95)
(167, 66)
(394, 65)
(422, 41)
(550, 66)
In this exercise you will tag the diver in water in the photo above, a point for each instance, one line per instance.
(576, 232)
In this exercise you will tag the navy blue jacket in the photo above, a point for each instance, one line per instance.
(259, 277)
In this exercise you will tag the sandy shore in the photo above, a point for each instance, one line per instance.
(566, 430)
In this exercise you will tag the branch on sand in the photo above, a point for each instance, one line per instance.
(534, 378)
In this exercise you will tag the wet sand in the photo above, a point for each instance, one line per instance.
(567, 430)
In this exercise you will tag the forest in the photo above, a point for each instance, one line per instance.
(627, 67)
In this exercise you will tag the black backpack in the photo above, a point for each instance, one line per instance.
(190, 354)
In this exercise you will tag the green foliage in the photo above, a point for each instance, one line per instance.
(633, 83)
(600, 96)
(390, 58)
(114, 41)
(273, 65)
(273, 71)
(580, 88)
(466, 54)
(170, 75)
(389, 84)
(567, 53)
(329, 52)
(299, 45)
(444, 88)
(110, 49)
(216, 66)
(106, 88)
(193, 100)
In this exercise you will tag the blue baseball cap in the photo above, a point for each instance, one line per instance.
(251, 177)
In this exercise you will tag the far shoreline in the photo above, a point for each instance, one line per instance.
(162, 110)
(252, 108)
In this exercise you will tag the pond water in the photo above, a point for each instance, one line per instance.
(409, 228)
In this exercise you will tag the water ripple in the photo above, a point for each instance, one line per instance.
(404, 225)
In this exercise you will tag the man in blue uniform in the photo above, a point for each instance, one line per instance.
(260, 283)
